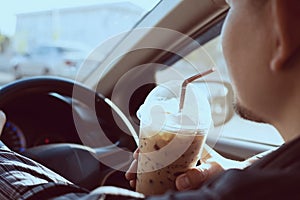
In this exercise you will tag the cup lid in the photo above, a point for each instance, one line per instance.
(161, 109)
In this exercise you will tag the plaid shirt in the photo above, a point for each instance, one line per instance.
(274, 176)
(23, 178)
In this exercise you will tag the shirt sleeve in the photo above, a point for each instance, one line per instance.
(243, 184)
(105, 193)
(23, 178)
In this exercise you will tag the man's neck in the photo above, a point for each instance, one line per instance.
(289, 135)
(289, 122)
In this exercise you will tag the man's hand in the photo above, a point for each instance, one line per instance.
(195, 177)
(131, 172)
(212, 164)
(2, 121)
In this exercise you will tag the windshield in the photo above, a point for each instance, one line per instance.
(55, 37)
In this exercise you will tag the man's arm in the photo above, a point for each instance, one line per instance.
(243, 184)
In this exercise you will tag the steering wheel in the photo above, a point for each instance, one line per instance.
(78, 163)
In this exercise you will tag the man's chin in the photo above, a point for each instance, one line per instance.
(246, 113)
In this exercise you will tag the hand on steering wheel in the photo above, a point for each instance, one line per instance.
(2, 121)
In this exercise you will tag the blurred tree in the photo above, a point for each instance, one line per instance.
(4, 43)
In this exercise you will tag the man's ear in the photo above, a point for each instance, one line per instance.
(286, 19)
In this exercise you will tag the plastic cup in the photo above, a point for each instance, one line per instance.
(170, 141)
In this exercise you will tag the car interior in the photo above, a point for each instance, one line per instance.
(86, 128)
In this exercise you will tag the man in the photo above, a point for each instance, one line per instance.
(261, 43)
(261, 46)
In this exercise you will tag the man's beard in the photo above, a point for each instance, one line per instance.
(246, 113)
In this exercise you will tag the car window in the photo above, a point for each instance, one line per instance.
(55, 37)
(44, 50)
(205, 57)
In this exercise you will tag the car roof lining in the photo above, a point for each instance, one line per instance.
(205, 37)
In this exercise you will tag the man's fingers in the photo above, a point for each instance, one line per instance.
(132, 183)
(195, 177)
(136, 153)
(2, 121)
(131, 172)
(130, 175)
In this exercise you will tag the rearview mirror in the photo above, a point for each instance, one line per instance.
(220, 96)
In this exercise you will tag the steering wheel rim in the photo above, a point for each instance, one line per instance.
(44, 154)
(46, 85)
(64, 87)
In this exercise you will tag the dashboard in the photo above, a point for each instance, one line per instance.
(38, 119)
(13, 137)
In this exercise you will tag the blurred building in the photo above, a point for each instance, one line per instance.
(87, 25)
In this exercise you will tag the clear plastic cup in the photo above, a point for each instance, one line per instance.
(170, 140)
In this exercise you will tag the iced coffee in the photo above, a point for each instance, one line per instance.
(154, 175)
(171, 140)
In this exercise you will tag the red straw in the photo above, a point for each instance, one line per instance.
(187, 81)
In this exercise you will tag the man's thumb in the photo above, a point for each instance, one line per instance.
(193, 178)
